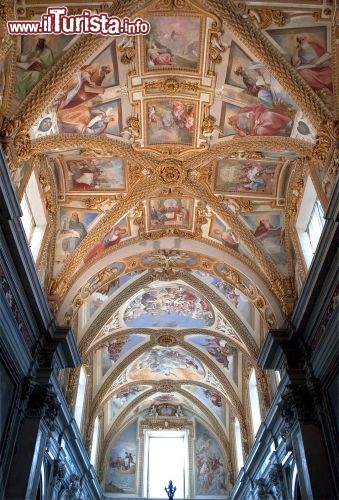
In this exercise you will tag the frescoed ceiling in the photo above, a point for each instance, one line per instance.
(171, 166)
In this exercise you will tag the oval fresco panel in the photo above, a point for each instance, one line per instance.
(168, 307)
(161, 362)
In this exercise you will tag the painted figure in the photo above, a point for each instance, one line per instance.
(84, 120)
(31, 67)
(159, 56)
(228, 238)
(85, 84)
(311, 60)
(111, 238)
(73, 234)
(259, 120)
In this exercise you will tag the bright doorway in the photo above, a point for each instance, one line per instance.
(166, 457)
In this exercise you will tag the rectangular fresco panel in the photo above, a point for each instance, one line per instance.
(164, 212)
(244, 176)
(99, 174)
(120, 475)
(259, 86)
(171, 122)
(173, 41)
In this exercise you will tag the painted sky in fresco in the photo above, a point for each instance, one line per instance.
(236, 298)
(172, 363)
(112, 350)
(212, 400)
(171, 306)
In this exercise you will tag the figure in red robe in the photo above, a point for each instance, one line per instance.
(311, 60)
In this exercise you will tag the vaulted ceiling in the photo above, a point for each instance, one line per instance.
(171, 166)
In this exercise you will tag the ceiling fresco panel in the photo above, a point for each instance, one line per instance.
(117, 232)
(74, 225)
(268, 228)
(232, 295)
(212, 400)
(170, 363)
(97, 299)
(173, 41)
(96, 173)
(169, 306)
(167, 212)
(246, 176)
(113, 350)
(225, 355)
(171, 122)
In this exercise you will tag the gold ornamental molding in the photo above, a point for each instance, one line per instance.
(327, 136)
(171, 173)
(171, 86)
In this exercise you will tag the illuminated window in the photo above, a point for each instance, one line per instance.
(315, 224)
(33, 215)
(95, 441)
(254, 402)
(238, 445)
(310, 222)
(27, 218)
(166, 457)
(80, 399)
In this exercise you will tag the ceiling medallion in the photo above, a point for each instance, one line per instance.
(171, 173)
(171, 85)
(166, 340)
(165, 386)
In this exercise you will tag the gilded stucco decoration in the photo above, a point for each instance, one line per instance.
(172, 223)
